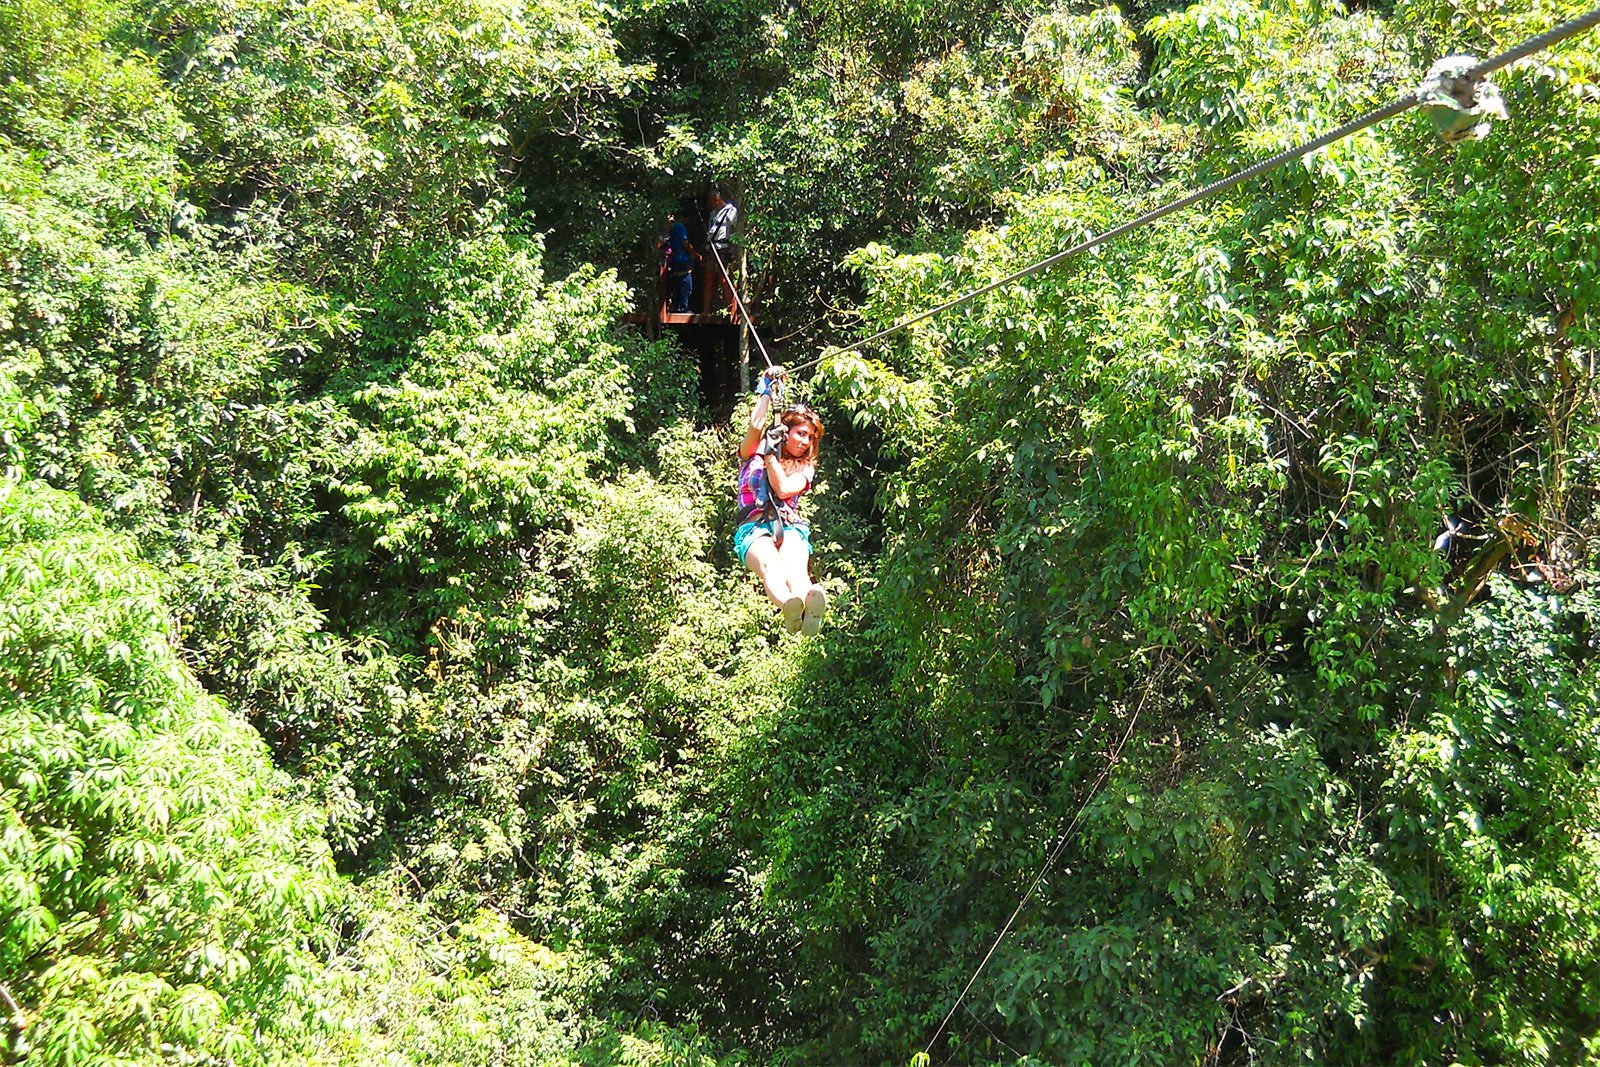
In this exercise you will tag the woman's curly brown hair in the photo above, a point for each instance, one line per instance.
(794, 417)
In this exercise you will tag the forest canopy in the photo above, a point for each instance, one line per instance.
(377, 683)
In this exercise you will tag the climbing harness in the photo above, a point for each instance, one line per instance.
(1462, 91)
(770, 513)
(1459, 100)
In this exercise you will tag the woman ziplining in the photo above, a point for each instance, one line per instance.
(777, 466)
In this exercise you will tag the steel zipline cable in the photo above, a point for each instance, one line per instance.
(739, 304)
(1527, 48)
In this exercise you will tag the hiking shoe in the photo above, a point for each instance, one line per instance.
(793, 609)
(816, 608)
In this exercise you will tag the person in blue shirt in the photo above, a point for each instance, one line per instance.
(679, 256)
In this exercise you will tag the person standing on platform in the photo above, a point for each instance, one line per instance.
(679, 256)
(719, 243)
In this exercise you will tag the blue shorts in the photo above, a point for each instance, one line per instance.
(748, 532)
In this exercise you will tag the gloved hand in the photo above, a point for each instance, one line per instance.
(772, 443)
(770, 379)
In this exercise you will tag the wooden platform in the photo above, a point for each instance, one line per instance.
(673, 318)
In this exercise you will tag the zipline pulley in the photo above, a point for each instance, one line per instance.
(1459, 105)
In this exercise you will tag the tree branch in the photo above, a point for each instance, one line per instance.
(19, 1018)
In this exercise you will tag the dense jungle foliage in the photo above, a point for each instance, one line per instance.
(376, 682)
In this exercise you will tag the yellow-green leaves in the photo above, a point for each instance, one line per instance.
(134, 811)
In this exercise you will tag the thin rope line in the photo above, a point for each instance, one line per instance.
(1044, 871)
(738, 302)
(1528, 47)
(990, 1031)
